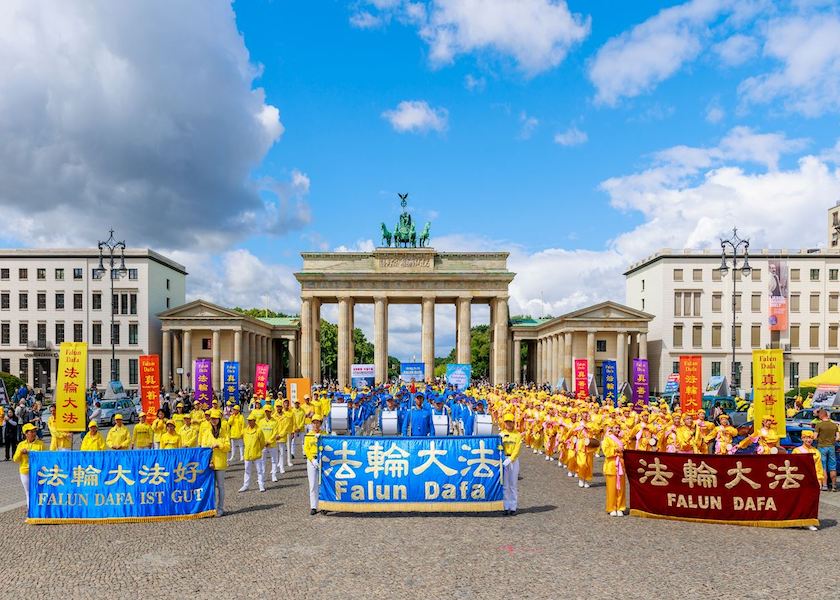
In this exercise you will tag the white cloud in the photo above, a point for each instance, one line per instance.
(808, 80)
(636, 61)
(365, 20)
(416, 116)
(474, 84)
(527, 125)
(143, 115)
(714, 112)
(737, 49)
(571, 137)
(360, 246)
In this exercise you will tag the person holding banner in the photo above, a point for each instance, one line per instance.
(613, 449)
(93, 440)
(512, 442)
(236, 425)
(216, 437)
(310, 450)
(59, 440)
(142, 436)
(159, 427)
(118, 437)
(31, 443)
(189, 433)
(170, 439)
(254, 446)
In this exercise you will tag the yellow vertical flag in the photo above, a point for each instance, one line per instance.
(769, 388)
(70, 401)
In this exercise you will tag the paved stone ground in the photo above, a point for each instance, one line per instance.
(561, 545)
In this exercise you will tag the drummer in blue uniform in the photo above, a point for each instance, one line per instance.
(441, 421)
(418, 420)
(391, 412)
(468, 417)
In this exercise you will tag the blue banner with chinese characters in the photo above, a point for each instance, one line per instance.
(230, 386)
(419, 474)
(120, 486)
(609, 383)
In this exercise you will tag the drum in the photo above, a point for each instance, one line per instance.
(441, 424)
(390, 419)
(483, 425)
(338, 418)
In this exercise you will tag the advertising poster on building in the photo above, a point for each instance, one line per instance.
(362, 376)
(459, 375)
(691, 387)
(297, 388)
(777, 304)
(581, 377)
(769, 385)
(150, 385)
(261, 379)
(70, 402)
(608, 370)
(672, 384)
(641, 384)
(230, 386)
(412, 370)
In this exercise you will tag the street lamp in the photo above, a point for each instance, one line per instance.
(108, 252)
(738, 248)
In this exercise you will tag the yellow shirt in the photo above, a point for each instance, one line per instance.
(285, 424)
(178, 419)
(512, 441)
(299, 418)
(310, 444)
(142, 435)
(254, 442)
(189, 436)
(22, 458)
(269, 429)
(118, 438)
(170, 441)
(817, 459)
(236, 424)
(59, 439)
(93, 442)
(158, 429)
(221, 449)
(612, 451)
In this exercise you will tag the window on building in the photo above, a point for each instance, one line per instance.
(678, 274)
(59, 300)
(755, 302)
(794, 374)
(115, 333)
(77, 301)
(132, 304)
(833, 274)
(23, 274)
(675, 366)
(59, 274)
(132, 273)
(736, 273)
(5, 335)
(813, 369)
(78, 332)
(41, 274)
(794, 303)
(132, 371)
(687, 304)
(794, 336)
(715, 368)
(815, 303)
(115, 303)
(132, 333)
(697, 274)
(755, 336)
(737, 374)
(78, 273)
(600, 345)
(96, 273)
(59, 333)
(678, 336)
(756, 274)
(41, 300)
(737, 336)
(206, 344)
(833, 302)
(794, 275)
(96, 301)
(41, 334)
(123, 304)
(96, 334)
(23, 334)
(716, 334)
(96, 376)
(715, 275)
(832, 336)
(4, 301)
(738, 302)
(23, 301)
(167, 284)
(814, 336)
(831, 364)
(4, 274)
(5, 365)
(643, 303)
(815, 274)
(643, 285)
(116, 274)
(115, 369)
(23, 367)
(697, 336)
(677, 304)
(167, 302)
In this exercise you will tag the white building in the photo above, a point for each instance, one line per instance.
(48, 296)
(692, 308)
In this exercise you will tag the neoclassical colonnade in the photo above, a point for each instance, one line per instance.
(201, 329)
(389, 276)
(605, 331)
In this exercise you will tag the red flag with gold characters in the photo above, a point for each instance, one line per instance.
(581, 377)
(70, 400)
(261, 380)
(691, 384)
(150, 385)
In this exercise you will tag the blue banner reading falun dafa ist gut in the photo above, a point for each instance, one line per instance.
(120, 486)
(431, 474)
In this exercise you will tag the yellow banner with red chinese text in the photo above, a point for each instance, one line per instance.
(769, 388)
(70, 401)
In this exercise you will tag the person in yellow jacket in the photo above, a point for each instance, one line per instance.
(189, 433)
(142, 434)
(170, 439)
(59, 440)
(268, 425)
(217, 438)
(512, 443)
(30, 443)
(158, 428)
(236, 423)
(807, 447)
(93, 440)
(285, 422)
(722, 435)
(197, 413)
(585, 455)
(613, 448)
(178, 416)
(299, 420)
(118, 438)
(310, 450)
(254, 445)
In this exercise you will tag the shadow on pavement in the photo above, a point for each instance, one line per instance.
(536, 509)
(432, 515)
(255, 508)
(827, 523)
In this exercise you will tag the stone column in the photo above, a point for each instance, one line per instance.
(217, 360)
(642, 345)
(343, 342)
(306, 338)
(552, 364)
(380, 338)
(621, 358)
(351, 347)
(252, 353)
(237, 347)
(165, 359)
(176, 360)
(561, 357)
(186, 359)
(590, 352)
(538, 372)
(316, 340)
(291, 353)
(464, 351)
(517, 361)
(428, 337)
(567, 366)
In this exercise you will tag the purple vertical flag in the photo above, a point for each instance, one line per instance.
(203, 381)
(641, 383)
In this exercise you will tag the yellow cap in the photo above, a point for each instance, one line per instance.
(508, 417)
(28, 427)
(92, 424)
(141, 414)
(215, 414)
(180, 404)
(252, 415)
(170, 422)
(808, 433)
(118, 417)
(236, 407)
(317, 417)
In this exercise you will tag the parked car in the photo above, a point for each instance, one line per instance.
(806, 416)
(792, 439)
(123, 406)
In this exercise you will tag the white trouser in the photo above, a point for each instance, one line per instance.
(156, 445)
(281, 454)
(24, 480)
(271, 452)
(297, 441)
(220, 490)
(290, 448)
(234, 444)
(260, 466)
(511, 485)
(312, 475)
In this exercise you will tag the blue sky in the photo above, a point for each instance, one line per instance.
(579, 136)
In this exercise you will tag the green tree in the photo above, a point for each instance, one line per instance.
(393, 367)
(12, 382)
(362, 349)
(260, 312)
(479, 350)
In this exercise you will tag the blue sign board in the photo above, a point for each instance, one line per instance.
(459, 375)
(609, 382)
(415, 371)
(383, 474)
(230, 386)
(121, 486)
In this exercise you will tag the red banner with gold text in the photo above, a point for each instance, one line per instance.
(150, 385)
(771, 490)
